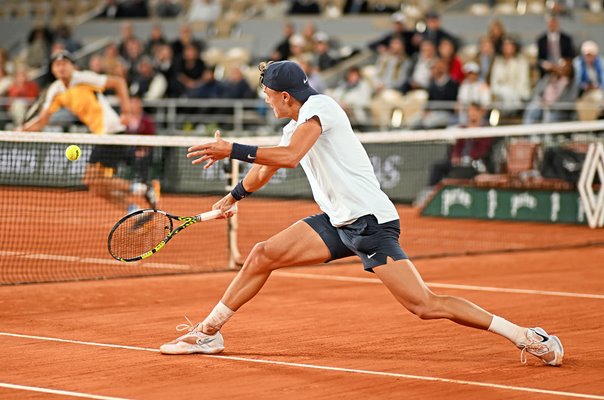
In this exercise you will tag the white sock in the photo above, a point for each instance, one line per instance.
(508, 330)
(218, 317)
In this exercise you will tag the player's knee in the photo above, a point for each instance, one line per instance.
(258, 260)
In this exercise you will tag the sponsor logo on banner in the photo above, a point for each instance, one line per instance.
(555, 200)
(593, 203)
(491, 203)
(522, 200)
(451, 197)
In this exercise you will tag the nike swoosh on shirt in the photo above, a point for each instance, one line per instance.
(371, 255)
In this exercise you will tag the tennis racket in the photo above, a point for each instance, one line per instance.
(143, 233)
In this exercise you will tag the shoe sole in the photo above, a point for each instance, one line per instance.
(559, 357)
(189, 351)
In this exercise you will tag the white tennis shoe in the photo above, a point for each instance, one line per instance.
(546, 347)
(194, 341)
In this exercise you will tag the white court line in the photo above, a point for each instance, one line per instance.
(440, 285)
(59, 392)
(335, 369)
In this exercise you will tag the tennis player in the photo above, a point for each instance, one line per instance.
(358, 218)
(81, 92)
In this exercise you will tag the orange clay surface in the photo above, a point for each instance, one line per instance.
(317, 332)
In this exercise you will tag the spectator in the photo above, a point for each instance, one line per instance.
(204, 11)
(111, 59)
(472, 91)
(148, 83)
(421, 68)
(314, 78)
(510, 77)
(485, 58)
(189, 70)
(354, 96)
(164, 64)
(282, 50)
(275, 9)
(63, 35)
(168, 8)
(20, 93)
(323, 57)
(410, 38)
(39, 42)
(134, 53)
(356, 7)
(5, 78)
(236, 86)
(468, 156)
(210, 88)
(442, 89)
(589, 68)
(552, 91)
(446, 52)
(553, 45)
(305, 7)
(134, 9)
(496, 33)
(126, 34)
(392, 66)
(297, 47)
(308, 33)
(95, 64)
(185, 38)
(156, 39)
(434, 31)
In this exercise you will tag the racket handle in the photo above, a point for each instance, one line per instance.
(206, 216)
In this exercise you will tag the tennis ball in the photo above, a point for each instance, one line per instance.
(73, 152)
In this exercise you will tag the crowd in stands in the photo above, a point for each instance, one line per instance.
(422, 73)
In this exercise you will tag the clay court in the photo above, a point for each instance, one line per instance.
(320, 332)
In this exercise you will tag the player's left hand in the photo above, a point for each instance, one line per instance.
(210, 152)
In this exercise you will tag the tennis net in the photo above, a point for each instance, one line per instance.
(54, 220)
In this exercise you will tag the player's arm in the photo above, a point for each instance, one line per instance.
(288, 156)
(121, 90)
(37, 123)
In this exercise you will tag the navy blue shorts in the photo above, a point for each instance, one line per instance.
(371, 241)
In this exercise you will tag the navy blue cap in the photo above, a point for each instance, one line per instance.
(61, 55)
(287, 76)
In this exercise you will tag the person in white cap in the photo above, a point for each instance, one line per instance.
(589, 68)
(472, 90)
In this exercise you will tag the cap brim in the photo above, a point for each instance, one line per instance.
(302, 94)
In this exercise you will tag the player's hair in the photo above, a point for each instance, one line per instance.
(262, 67)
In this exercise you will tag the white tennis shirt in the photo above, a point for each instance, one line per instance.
(340, 174)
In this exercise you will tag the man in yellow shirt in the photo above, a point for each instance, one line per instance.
(81, 92)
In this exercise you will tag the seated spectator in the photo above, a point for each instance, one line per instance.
(189, 71)
(553, 45)
(555, 88)
(589, 69)
(304, 7)
(156, 39)
(308, 33)
(148, 83)
(442, 89)
(235, 86)
(323, 57)
(314, 78)
(39, 42)
(275, 9)
(421, 68)
(510, 82)
(134, 53)
(486, 56)
(447, 53)
(63, 35)
(134, 9)
(21, 93)
(496, 33)
(204, 11)
(354, 95)
(468, 157)
(282, 50)
(164, 64)
(411, 38)
(185, 38)
(472, 91)
(111, 59)
(95, 64)
(434, 31)
(168, 8)
(392, 66)
(126, 34)
(297, 47)
(210, 88)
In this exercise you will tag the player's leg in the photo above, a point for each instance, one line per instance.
(405, 283)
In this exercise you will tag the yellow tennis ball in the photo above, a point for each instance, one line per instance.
(73, 152)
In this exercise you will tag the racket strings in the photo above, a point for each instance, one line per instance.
(139, 234)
